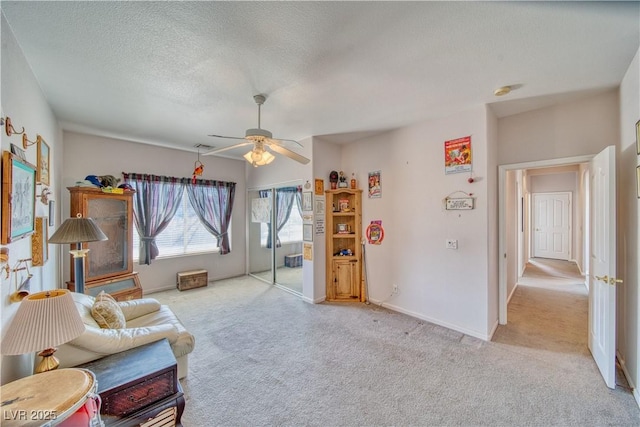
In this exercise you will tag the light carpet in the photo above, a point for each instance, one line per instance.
(264, 357)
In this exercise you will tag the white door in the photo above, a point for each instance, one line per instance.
(552, 225)
(602, 289)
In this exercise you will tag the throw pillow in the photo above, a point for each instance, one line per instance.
(107, 312)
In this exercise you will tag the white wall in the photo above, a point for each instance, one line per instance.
(444, 286)
(23, 101)
(576, 128)
(628, 220)
(95, 155)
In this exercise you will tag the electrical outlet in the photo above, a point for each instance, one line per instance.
(451, 244)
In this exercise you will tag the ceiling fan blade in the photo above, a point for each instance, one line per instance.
(289, 140)
(226, 137)
(290, 154)
(231, 147)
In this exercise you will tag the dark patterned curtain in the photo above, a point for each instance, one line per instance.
(213, 203)
(154, 204)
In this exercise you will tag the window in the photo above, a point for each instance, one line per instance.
(185, 235)
(291, 232)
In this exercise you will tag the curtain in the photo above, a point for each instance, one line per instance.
(154, 204)
(299, 200)
(213, 203)
(284, 203)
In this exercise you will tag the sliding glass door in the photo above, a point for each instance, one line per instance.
(275, 236)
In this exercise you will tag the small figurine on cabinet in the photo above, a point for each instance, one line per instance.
(353, 181)
(333, 179)
(343, 180)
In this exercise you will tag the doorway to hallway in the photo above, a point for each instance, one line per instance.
(549, 310)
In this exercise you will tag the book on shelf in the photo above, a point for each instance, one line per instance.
(343, 204)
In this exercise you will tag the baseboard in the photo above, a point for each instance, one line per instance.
(494, 329)
(513, 291)
(447, 325)
(313, 301)
(146, 292)
(623, 366)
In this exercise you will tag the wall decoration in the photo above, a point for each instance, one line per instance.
(459, 203)
(375, 232)
(42, 175)
(52, 213)
(307, 232)
(307, 252)
(18, 198)
(18, 152)
(319, 206)
(307, 201)
(375, 185)
(39, 242)
(457, 155)
(638, 137)
(319, 187)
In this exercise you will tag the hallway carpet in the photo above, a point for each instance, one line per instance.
(264, 357)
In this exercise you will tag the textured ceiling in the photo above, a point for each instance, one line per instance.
(169, 73)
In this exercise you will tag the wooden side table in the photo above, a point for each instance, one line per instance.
(138, 385)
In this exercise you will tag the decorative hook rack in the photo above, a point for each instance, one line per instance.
(9, 129)
(26, 142)
(23, 290)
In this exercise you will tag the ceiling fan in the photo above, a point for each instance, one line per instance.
(261, 139)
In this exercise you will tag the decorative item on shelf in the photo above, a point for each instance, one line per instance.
(333, 179)
(343, 180)
(77, 231)
(44, 195)
(9, 129)
(353, 181)
(44, 320)
(22, 290)
(343, 229)
(343, 205)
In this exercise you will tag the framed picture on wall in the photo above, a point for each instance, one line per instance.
(307, 232)
(638, 137)
(43, 163)
(18, 198)
(638, 181)
(307, 201)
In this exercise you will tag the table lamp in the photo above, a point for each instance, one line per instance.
(77, 231)
(44, 320)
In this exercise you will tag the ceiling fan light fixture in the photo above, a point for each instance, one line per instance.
(259, 157)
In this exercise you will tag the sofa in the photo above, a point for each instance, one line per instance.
(146, 321)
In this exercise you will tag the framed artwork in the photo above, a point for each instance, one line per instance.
(319, 187)
(638, 137)
(39, 242)
(307, 201)
(457, 155)
(307, 252)
(18, 198)
(375, 185)
(307, 232)
(42, 175)
(18, 152)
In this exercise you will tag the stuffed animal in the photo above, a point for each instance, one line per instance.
(109, 181)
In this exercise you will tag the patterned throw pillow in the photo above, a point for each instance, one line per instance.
(107, 312)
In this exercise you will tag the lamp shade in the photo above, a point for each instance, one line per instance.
(78, 230)
(43, 320)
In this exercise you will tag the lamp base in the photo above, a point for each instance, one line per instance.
(49, 362)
